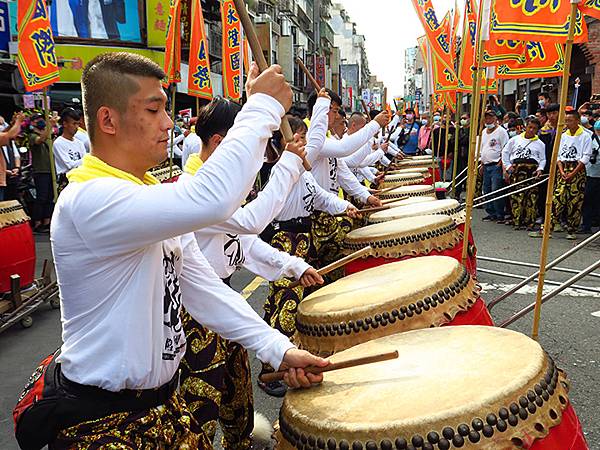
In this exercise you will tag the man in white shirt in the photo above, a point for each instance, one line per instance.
(493, 139)
(127, 261)
(68, 151)
(82, 134)
(191, 144)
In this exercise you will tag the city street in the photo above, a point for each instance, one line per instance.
(570, 328)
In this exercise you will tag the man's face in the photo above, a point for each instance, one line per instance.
(571, 121)
(70, 125)
(553, 117)
(464, 121)
(531, 130)
(333, 114)
(490, 120)
(144, 128)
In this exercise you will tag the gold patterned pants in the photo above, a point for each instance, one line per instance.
(328, 234)
(568, 198)
(282, 302)
(216, 384)
(524, 204)
(168, 426)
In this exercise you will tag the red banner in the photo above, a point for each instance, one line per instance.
(541, 60)
(173, 44)
(590, 8)
(199, 83)
(232, 44)
(539, 20)
(320, 70)
(36, 57)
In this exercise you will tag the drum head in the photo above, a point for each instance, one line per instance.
(400, 296)
(405, 237)
(12, 213)
(449, 207)
(467, 386)
(422, 170)
(404, 179)
(411, 201)
(410, 191)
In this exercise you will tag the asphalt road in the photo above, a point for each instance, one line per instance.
(569, 330)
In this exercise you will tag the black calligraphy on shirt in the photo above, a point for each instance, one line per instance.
(175, 341)
(233, 250)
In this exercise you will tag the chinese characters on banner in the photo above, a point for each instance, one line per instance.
(232, 44)
(590, 8)
(37, 57)
(173, 45)
(540, 61)
(199, 83)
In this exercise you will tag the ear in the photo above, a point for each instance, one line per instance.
(214, 141)
(106, 120)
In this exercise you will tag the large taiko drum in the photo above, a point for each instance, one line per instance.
(455, 387)
(403, 179)
(402, 296)
(422, 170)
(402, 239)
(421, 163)
(165, 174)
(449, 207)
(17, 246)
(401, 192)
(410, 201)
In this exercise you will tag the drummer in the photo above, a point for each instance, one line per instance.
(126, 261)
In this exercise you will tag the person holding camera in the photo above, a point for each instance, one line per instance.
(591, 199)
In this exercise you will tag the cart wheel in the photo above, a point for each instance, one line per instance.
(26, 321)
(55, 302)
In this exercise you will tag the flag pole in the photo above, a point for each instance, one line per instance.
(446, 143)
(456, 134)
(564, 87)
(475, 105)
(50, 144)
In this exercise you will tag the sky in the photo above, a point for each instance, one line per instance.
(389, 26)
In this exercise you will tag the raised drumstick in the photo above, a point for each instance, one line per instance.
(304, 69)
(393, 200)
(259, 57)
(337, 264)
(277, 376)
(366, 210)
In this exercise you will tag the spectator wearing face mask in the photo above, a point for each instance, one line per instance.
(544, 100)
(463, 148)
(409, 137)
(587, 120)
(424, 133)
(591, 200)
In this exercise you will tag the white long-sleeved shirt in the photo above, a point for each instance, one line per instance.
(575, 147)
(191, 144)
(355, 159)
(68, 154)
(307, 196)
(176, 141)
(349, 183)
(83, 136)
(268, 262)
(519, 147)
(124, 269)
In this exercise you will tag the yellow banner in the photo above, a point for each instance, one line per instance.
(157, 18)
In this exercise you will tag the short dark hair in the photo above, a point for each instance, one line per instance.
(217, 117)
(312, 99)
(545, 95)
(342, 113)
(374, 113)
(535, 121)
(573, 112)
(69, 113)
(542, 111)
(296, 124)
(107, 81)
(552, 107)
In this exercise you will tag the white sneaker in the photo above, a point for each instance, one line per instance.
(571, 237)
(539, 220)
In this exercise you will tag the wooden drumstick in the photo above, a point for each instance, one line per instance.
(304, 69)
(277, 376)
(391, 188)
(259, 57)
(365, 210)
(337, 264)
(393, 200)
(365, 109)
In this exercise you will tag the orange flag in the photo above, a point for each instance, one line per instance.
(539, 20)
(36, 57)
(444, 78)
(232, 42)
(454, 32)
(199, 83)
(540, 61)
(173, 45)
(504, 51)
(590, 8)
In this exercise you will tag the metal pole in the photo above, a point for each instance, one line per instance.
(550, 191)
(522, 277)
(508, 187)
(552, 294)
(50, 144)
(552, 264)
(526, 264)
(511, 193)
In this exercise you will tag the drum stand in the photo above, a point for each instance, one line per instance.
(17, 305)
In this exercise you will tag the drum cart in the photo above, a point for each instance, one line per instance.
(18, 304)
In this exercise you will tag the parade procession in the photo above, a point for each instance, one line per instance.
(220, 230)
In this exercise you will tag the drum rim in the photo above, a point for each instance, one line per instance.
(458, 213)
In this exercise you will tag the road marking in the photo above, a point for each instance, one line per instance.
(596, 314)
(252, 286)
(532, 290)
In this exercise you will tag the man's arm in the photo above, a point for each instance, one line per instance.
(350, 184)
(268, 262)
(355, 159)
(154, 213)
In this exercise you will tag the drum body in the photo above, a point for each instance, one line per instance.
(17, 254)
(418, 293)
(404, 179)
(409, 191)
(404, 238)
(422, 163)
(455, 387)
(447, 207)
